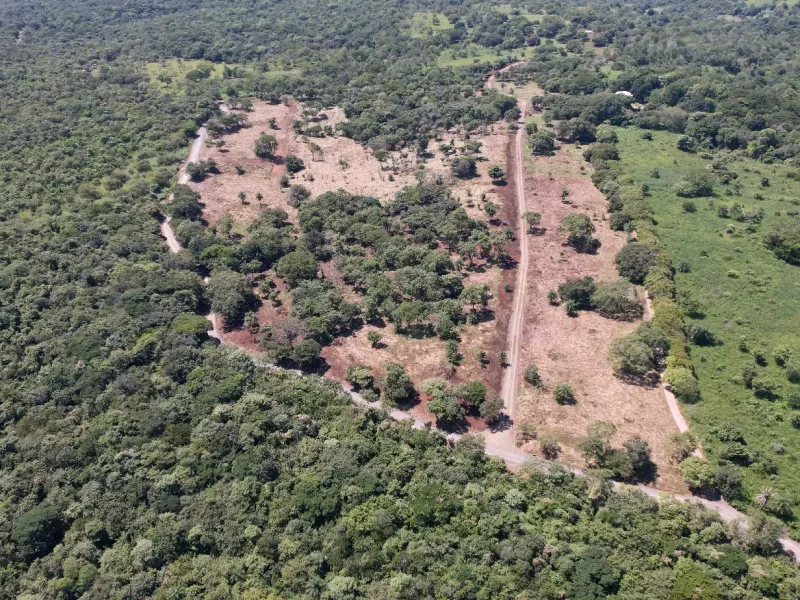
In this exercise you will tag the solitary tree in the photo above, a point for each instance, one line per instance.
(265, 146)
(533, 219)
(496, 172)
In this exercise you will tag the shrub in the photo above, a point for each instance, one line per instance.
(464, 167)
(491, 409)
(696, 184)
(580, 229)
(360, 376)
(689, 206)
(542, 143)
(793, 373)
(784, 241)
(297, 266)
(631, 357)
(764, 388)
(634, 261)
(265, 146)
(298, 193)
(683, 383)
(699, 335)
(496, 172)
(549, 446)
(782, 356)
(532, 375)
(472, 393)
(526, 432)
(578, 292)
(374, 338)
(616, 300)
(683, 445)
(563, 394)
(396, 385)
(231, 294)
(294, 164)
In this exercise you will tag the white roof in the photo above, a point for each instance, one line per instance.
(624, 93)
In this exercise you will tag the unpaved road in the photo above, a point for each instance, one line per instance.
(498, 444)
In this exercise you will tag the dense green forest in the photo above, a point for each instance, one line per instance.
(139, 459)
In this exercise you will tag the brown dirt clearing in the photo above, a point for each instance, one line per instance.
(574, 350)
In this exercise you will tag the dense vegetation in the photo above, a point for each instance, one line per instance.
(141, 460)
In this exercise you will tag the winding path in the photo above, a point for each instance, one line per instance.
(499, 444)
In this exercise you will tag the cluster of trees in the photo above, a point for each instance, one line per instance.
(416, 286)
(629, 463)
(615, 299)
(451, 403)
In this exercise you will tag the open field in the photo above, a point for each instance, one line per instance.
(424, 24)
(745, 292)
(574, 349)
(473, 54)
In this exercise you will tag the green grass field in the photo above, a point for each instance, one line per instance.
(424, 24)
(745, 292)
(170, 75)
(479, 54)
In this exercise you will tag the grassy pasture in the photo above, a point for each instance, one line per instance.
(745, 292)
(479, 54)
(424, 24)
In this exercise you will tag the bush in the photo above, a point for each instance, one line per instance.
(542, 143)
(793, 399)
(297, 266)
(764, 388)
(634, 261)
(265, 146)
(294, 164)
(784, 241)
(683, 383)
(631, 357)
(231, 294)
(580, 229)
(578, 292)
(491, 409)
(616, 300)
(532, 376)
(549, 446)
(396, 385)
(464, 167)
(699, 335)
(298, 193)
(563, 394)
(696, 184)
(360, 376)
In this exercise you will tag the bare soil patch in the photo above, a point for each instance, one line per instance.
(574, 349)
(220, 192)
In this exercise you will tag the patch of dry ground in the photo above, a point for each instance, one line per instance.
(347, 165)
(574, 349)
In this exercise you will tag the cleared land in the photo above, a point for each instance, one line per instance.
(745, 292)
(345, 164)
(574, 349)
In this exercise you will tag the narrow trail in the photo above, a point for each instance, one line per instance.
(498, 444)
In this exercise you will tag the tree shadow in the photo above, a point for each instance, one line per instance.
(648, 380)
(502, 423)
(460, 426)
